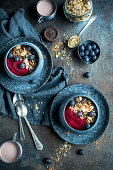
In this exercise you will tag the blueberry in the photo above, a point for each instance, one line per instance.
(87, 74)
(79, 113)
(86, 52)
(92, 53)
(34, 52)
(71, 103)
(94, 57)
(82, 54)
(96, 51)
(82, 48)
(87, 126)
(33, 81)
(81, 152)
(29, 48)
(91, 114)
(16, 58)
(84, 100)
(22, 65)
(30, 72)
(94, 46)
(86, 58)
(31, 57)
(88, 47)
(47, 160)
(10, 55)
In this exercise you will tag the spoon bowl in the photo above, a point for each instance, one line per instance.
(21, 109)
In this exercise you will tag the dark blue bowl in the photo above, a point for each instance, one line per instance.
(36, 71)
(63, 120)
(86, 43)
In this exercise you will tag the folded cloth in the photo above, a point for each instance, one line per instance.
(39, 102)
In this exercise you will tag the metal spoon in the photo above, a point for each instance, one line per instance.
(16, 98)
(22, 111)
(75, 40)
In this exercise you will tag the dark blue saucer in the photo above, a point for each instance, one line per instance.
(102, 120)
(26, 87)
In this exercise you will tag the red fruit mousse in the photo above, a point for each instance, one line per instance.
(14, 67)
(22, 60)
(80, 113)
(74, 121)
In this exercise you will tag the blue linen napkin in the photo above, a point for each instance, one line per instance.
(38, 103)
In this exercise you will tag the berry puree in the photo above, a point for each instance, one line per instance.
(14, 67)
(74, 121)
(80, 113)
(22, 60)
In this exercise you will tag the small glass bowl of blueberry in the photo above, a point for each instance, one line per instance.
(88, 51)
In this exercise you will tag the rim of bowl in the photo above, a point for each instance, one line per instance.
(27, 44)
(85, 42)
(81, 95)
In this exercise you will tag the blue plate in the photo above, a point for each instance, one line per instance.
(26, 87)
(102, 120)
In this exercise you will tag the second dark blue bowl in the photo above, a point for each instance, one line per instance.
(63, 120)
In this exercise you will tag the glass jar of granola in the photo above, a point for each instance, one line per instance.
(78, 10)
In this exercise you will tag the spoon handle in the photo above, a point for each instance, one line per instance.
(38, 144)
(22, 136)
(89, 22)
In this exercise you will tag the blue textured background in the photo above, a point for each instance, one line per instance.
(98, 155)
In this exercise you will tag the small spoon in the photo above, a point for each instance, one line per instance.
(75, 40)
(22, 111)
(16, 98)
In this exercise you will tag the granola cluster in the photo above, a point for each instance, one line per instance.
(78, 7)
(26, 55)
(85, 109)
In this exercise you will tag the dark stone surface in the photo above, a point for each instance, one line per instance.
(98, 155)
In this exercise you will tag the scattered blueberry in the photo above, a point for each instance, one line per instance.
(79, 113)
(91, 114)
(96, 50)
(33, 81)
(30, 72)
(22, 65)
(10, 55)
(87, 126)
(31, 57)
(94, 46)
(87, 74)
(86, 58)
(81, 152)
(82, 48)
(82, 54)
(92, 53)
(88, 47)
(29, 48)
(94, 57)
(47, 160)
(86, 52)
(16, 58)
(71, 103)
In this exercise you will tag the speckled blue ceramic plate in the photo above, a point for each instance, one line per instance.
(40, 80)
(100, 126)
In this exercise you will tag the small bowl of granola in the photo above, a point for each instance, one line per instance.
(23, 61)
(79, 114)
